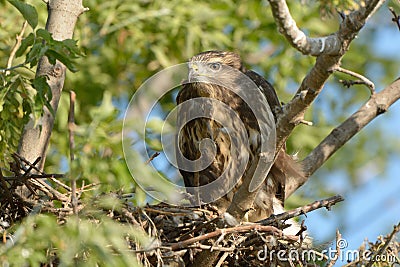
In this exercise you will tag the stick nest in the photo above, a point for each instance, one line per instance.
(178, 236)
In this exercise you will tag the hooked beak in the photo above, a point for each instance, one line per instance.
(193, 75)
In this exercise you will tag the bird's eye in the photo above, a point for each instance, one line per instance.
(215, 66)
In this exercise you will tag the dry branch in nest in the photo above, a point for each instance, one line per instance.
(24, 187)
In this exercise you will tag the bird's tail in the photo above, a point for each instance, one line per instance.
(287, 173)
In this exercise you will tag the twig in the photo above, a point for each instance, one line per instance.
(81, 190)
(222, 259)
(31, 166)
(171, 213)
(152, 158)
(337, 253)
(349, 83)
(14, 67)
(363, 79)
(327, 203)
(71, 128)
(226, 254)
(308, 123)
(396, 229)
(396, 18)
(17, 157)
(130, 217)
(16, 46)
(52, 178)
(236, 229)
(34, 176)
(48, 190)
(197, 229)
(209, 247)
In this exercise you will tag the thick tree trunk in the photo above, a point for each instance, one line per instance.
(34, 141)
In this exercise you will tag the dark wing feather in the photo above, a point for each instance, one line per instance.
(285, 167)
(267, 89)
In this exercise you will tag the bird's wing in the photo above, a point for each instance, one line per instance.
(285, 167)
(267, 89)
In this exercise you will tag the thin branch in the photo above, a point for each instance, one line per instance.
(19, 158)
(152, 158)
(349, 83)
(327, 203)
(308, 123)
(16, 46)
(7, 70)
(334, 260)
(36, 176)
(71, 128)
(364, 80)
(376, 105)
(54, 180)
(236, 229)
(396, 18)
(48, 190)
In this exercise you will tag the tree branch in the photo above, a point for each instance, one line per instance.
(327, 203)
(18, 40)
(327, 61)
(308, 46)
(396, 18)
(329, 51)
(363, 79)
(224, 231)
(376, 105)
(328, 45)
(338, 249)
(60, 23)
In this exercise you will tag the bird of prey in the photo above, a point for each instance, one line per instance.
(210, 73)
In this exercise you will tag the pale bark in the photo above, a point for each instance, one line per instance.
(60, 23)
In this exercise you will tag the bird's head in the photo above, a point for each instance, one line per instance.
(211, 65)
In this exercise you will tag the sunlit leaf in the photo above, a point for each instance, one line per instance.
(28, 11)
(26, 42)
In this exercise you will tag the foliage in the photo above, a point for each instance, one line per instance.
(75, 242)
(21, 94)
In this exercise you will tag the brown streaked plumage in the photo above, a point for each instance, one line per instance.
(271, 195)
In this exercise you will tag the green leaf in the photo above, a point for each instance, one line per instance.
(26, 42)
(45, 35)
(72, 46)
(43, 88)
(35, 53)
(52, 54)
(28, 11)
(44, 92)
